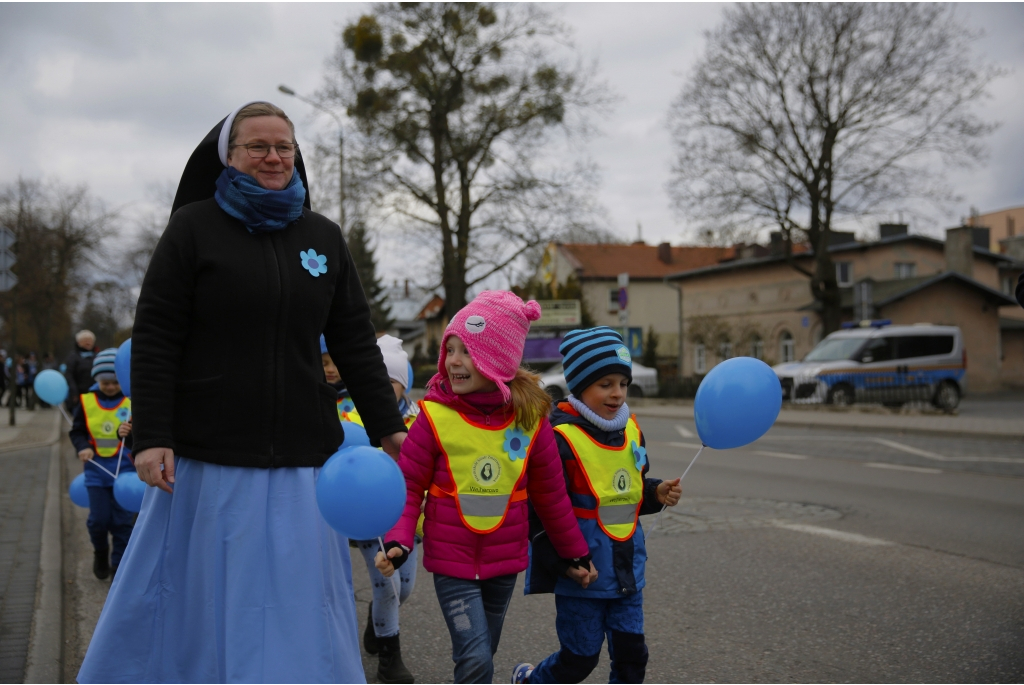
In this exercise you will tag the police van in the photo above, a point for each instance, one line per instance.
(878, 362)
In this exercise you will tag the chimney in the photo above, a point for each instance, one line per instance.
(407, 287)
(841, 238)
(890, 230)
(960, 250)
(665, 253)
(777, 247)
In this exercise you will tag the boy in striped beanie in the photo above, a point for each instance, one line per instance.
(604, 461)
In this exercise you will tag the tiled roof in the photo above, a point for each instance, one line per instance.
(608, 260)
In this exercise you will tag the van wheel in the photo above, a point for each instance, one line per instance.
(555, 392)
(634, 391)
(841, 395)
(947, 397)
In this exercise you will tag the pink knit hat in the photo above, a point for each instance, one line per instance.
(493, 328)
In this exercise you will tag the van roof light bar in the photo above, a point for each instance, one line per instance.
(866, 323)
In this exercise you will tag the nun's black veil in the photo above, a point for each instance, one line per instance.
(199, 180)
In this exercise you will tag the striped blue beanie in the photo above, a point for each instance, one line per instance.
(103, 365)
(590, 354)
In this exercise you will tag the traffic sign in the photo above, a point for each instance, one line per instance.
(7, 238)
(7, 259)
(7, 281)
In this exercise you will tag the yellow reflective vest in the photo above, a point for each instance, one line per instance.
(487, 465)
(614, 476)
(102, 423)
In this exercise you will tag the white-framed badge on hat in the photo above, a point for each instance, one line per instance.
(476, 324)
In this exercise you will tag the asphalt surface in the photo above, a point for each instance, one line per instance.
(810, 556)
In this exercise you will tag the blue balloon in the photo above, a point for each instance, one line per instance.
(79, 493)
(412, 377)
(736, 403)
(355, 435)
(63, 368)
(129, 491)
(361, 492)
(51, 386)
(123, 368)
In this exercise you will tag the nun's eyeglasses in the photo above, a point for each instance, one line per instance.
(261, 150)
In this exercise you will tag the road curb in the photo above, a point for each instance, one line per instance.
(894, 424)
(54, 437)
(46, 638)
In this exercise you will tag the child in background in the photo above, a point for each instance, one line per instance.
(604, 458)
(102, 421)
(346, 408)
(481, 445)
(381, 635)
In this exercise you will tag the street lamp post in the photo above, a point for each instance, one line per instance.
(341, 149)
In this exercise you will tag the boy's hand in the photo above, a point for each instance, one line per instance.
(383, 563)
(669, 492)
(124, 429)
(581, 575)
(86, 454)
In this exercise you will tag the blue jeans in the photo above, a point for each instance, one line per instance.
(582, 625)
(107, 516)
(474, 611)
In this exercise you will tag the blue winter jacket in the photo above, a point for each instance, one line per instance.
(620, 565)
(79, 434)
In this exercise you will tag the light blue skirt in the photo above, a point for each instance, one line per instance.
(234, 578)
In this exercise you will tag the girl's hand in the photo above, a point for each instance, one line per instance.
(383, 563)
(669, 492)
(581, 575)
(86, 454)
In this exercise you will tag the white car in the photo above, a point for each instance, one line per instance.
(645, 382)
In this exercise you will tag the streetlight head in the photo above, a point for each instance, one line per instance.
(286, 90)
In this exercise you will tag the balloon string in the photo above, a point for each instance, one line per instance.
(121, 451)
(394, 585)
(662, 512)
(65, 413)
(93, 462)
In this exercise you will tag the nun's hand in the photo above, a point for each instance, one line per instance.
(156, 467)
(392, 444)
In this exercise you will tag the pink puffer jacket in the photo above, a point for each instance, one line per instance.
(449, 547)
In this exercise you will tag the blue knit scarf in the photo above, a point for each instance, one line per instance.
(607, 425)
(259, 209)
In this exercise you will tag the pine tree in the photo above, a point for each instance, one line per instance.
(366, 266)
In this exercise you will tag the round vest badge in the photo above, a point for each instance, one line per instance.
(476, 324)
(486, 470)
(108, 427)
(621, 481)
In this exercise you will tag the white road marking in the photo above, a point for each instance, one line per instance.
(900, 467)
(684, 432)
(834, 534)
(686, 445)
(781, 455)
(938, 457)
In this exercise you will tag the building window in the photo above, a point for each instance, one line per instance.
(613, 300)
(1008, 284)
(757, 348)
(787, 351)
(905, 269)
(700, 363)
(844, 273)
(1010, 228)
(724, 350)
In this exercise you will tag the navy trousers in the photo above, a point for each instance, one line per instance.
(106, 516)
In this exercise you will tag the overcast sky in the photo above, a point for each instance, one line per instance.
(118, 95)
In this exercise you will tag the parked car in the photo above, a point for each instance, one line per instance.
(645, 382)
(881, 363)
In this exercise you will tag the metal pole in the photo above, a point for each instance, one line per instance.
(341, 178)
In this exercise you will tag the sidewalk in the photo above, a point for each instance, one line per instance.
(855, 419)
(32, 428)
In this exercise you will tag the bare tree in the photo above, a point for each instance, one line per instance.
(799, 115)
(456, 107)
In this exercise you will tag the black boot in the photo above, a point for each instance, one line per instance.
(390, 668)
(100, 564)
(369, 636)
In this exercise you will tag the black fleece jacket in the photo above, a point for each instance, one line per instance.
(226, 361)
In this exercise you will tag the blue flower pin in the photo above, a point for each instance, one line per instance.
(347, 405)
(314, 263)
(516, 443)
(639, 454)
(123, 414)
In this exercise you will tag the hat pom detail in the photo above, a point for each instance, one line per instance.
(531, 310)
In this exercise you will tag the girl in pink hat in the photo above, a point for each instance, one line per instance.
(480, 448)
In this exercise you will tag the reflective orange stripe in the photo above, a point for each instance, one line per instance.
(582, 513)
(517, 496)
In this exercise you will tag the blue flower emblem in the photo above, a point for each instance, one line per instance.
(639, 454)
(314, 263)
(516, 443)
(346, 404)
(123, 414)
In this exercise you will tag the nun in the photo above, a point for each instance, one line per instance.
(232, 575)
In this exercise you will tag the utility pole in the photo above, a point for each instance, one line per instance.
(7, 282)
(341, 149)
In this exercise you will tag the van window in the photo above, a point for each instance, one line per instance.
(880, 349)
(924, 346)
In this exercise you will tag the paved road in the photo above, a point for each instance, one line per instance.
(22, 496)
(810, 556)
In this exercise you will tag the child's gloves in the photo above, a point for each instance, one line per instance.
(391, 559)
(581, 570)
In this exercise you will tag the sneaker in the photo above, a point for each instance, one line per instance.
(521, 673)
(100, 564)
